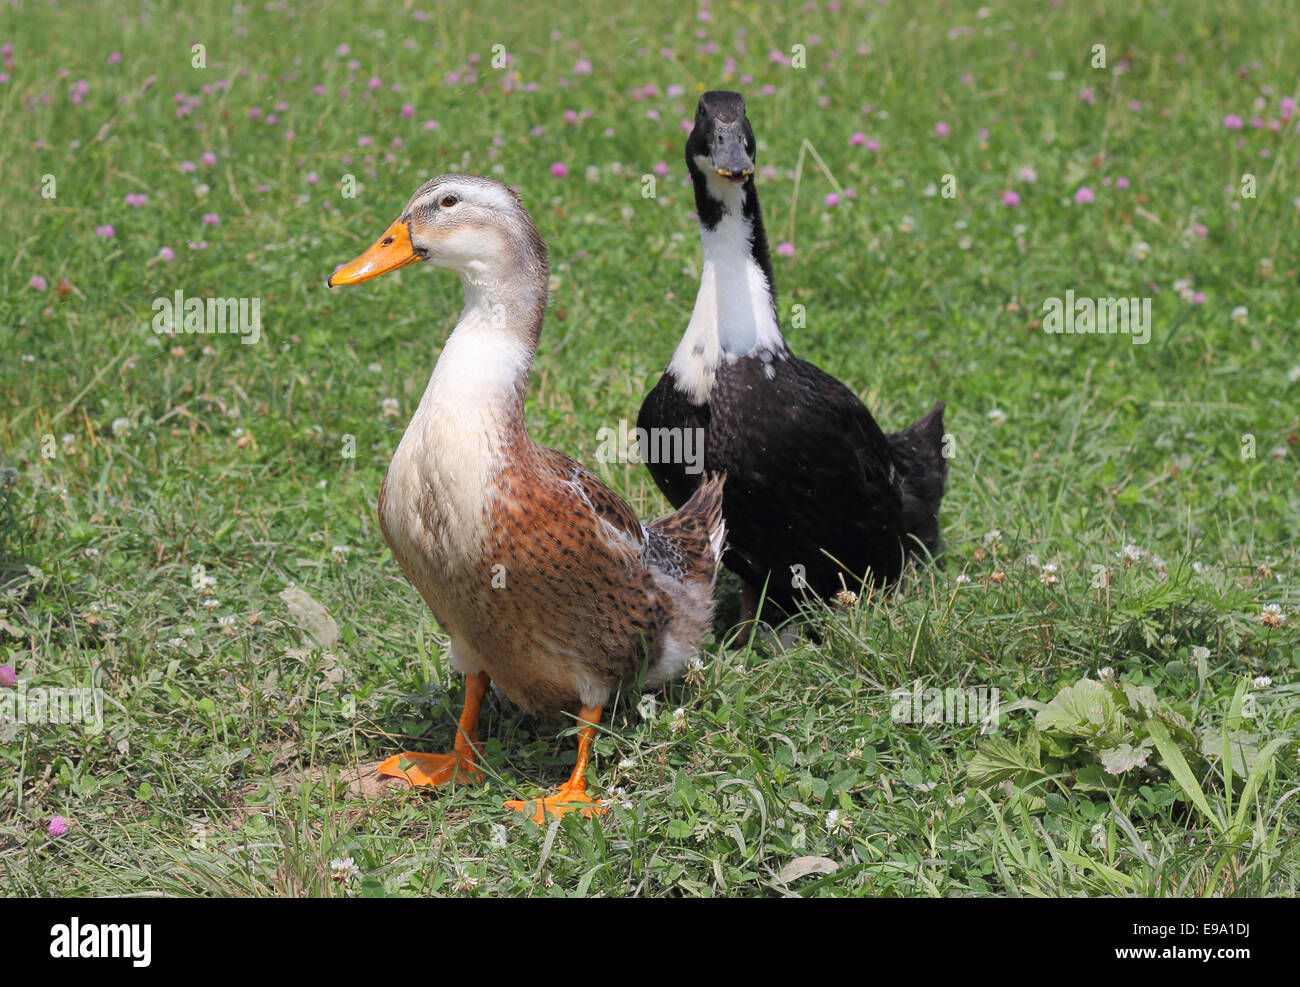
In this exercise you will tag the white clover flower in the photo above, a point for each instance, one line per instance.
(1200, 653)
(992, 539)
(1099, 836)
(391, 407)
(340, 552)
(1027, 174)
(1240, 314)
(1141, 250)
(962, 579)
(1048, 574)
(227, 620)
(997, 416)
(1293, 375)
(1261, 682)
(627, 764)
(344, 869)
(464, 881)
(1131, 554)
(1106, 674)
(679, 720)
(121, 426)
(1271, 615)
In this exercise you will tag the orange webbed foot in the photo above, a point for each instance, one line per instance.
(567, 799)
(431, 769)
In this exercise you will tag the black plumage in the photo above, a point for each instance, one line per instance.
(818, 498)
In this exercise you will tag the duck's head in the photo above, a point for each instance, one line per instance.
(474, 226)
(721, 147)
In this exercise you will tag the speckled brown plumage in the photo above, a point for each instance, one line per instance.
(540, 574)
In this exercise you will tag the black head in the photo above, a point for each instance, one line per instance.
(722, 141)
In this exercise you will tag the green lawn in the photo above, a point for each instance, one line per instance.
(1117, 513)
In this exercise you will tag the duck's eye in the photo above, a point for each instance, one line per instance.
(448, 201)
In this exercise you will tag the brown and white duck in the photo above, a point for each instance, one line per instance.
(541, 576)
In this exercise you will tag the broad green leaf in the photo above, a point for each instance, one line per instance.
(1243, 747)
(1091, 778)
(1182, 772)
(1085, 709)
(680, 829)
(1125, 757)
(1142, 699)
(999, 759)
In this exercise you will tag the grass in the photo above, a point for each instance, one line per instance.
(162, 492)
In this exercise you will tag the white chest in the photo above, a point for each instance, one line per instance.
(440, 486)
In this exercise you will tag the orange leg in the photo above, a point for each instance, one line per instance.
(439, 769)
(572, 795)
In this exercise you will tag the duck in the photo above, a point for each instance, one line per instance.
(819, 500)
(544, 580)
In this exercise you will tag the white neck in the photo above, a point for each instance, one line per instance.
(472, 414)
(484, 365)
(733, 315)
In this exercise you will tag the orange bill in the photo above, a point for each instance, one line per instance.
(389, 252)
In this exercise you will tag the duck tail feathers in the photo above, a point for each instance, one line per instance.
(919, 450)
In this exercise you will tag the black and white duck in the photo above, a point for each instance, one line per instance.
(818, 498)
